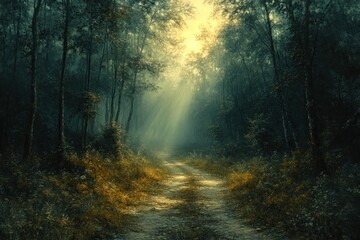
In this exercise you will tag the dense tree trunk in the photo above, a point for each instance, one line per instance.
(33, 100)
(11, 101)
(61, 121)
(131, 111)
(286, 123)
(140, 46)
(107, 112)
(114, 88)
(317, 157)
(316, 152)
(132, 100)
(85, 132)
(122, 83)
(16, 48)
(101, 63)
(88, 77)
(121, 89)
(304, 54)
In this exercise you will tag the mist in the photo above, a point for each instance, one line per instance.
(164, 118)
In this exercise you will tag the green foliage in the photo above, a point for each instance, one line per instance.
(217, 133)
(278, 192)
(259, 135)
(283, 195)
(230, 150)
(104, 38)
(88, 104)
(89, 203)
(110, 143)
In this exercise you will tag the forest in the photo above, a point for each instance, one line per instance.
(137, 119)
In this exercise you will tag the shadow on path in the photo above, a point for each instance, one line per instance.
(190, 206)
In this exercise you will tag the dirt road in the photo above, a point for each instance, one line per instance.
(191, 206)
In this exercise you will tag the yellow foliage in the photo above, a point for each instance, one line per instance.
(152, 173)
(240, 180)
(81, 187)
(64, 221)
(84, 204)
(276, 199)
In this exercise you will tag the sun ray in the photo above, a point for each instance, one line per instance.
(170, 107)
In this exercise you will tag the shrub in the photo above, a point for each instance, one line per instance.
(284, 195)
(90, 202)
(110, 143)
(259, 136)
(88, 103)
(281, 192)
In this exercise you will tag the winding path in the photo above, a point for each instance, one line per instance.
(191, 206)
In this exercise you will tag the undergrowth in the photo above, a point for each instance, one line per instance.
(89, 202)
(280, 192)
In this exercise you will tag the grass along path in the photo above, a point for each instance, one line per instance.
(191, 205)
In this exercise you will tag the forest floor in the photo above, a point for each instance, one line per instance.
(190, 205)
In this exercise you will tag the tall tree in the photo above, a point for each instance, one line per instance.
(286, 119)
(155, 19)
(11, 18)
(258, 17)
(304, 43)
(89, 55)
(61, 119)
(33, 100)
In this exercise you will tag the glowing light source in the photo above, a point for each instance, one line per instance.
(202, 19)
(169, 109)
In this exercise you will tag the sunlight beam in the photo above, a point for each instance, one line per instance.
(166, 123)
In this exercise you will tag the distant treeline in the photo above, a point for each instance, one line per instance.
(70, 67)
(284, 75)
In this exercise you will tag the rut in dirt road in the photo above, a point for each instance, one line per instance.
(191, 206)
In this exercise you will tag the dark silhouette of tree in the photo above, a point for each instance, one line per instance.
(61, 117)
(33, 100)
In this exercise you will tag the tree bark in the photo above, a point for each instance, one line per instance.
(33, 97)
(127, 129)
(16, 47)
(132, 100)
(122, 83)
(107, 114)
(61, 118)
(10, 99)
(286, 123)
(317, 156)
(88, 77)
(114, 87)
(141, 47)
(101, 63)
